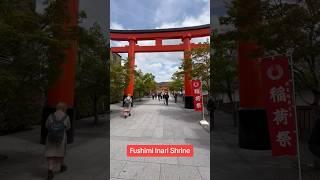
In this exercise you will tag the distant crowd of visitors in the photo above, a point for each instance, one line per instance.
(164, 96)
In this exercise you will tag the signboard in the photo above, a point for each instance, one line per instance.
(277, 82)
(197, 95)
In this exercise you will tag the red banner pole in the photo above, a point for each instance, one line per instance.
(203, 118)
(295, 115)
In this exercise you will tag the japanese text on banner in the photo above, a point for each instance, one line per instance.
(278, 102)
(197, 95)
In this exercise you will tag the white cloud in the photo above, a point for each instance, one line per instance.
(167, 10)
(146, 43)
(200, 39)
(115, 25)
(163, 65)
(202, 18)
(172, 42)
(155, 65)
(119, 43)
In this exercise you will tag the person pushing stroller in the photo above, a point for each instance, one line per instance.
(127, 106)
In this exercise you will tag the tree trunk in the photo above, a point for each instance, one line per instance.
(95, 109)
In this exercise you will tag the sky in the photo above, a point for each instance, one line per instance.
(96, 11)
(151, 14)
(158, 14)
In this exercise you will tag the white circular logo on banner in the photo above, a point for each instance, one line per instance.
(275, 72)
(196, 84)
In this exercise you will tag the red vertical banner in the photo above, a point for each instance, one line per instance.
(197, 95)
(276, 77)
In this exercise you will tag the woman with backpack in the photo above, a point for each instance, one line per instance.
(127, 106)
(57, 125)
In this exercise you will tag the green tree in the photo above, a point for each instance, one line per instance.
(92, 71)
(149, 82)
(26, 70)
(224, 68)
(285, 26)
(224, 65)
(144, 83)
(119, 79)
(199, 64)
(138, 84)
(177, 82)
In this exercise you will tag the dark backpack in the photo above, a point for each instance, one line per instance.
(127, 102)
(56, 130)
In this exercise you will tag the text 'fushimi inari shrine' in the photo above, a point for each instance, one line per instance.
(158, 35)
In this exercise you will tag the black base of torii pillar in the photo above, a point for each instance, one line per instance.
(188, 102)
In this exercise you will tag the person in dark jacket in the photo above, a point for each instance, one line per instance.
(166, 97)
(123, 98)
(314, 143)
(211, 107)
(175, 97)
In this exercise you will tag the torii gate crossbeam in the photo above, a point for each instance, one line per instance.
(158, 35)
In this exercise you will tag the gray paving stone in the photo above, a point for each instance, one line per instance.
(204, 172)
(154, 123)
(178, 172)
(140, 171)
(116, 167)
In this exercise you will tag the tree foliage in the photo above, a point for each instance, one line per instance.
(143, 84)
(177, 82)
(119, 79)
(92, 71)
(198, 66)
(284, 26)
(31, 49)
(224, 65)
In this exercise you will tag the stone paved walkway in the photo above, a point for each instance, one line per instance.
(86, 157)
(232, 163)
(152, 122)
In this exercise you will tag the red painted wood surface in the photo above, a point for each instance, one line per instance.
(63, 89)
(155, 34)
(250, 90)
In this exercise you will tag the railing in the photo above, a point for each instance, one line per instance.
(305, 119)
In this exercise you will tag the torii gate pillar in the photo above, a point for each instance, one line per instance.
(188, 96)
(131, 59)
(252, 115)
(63, 89)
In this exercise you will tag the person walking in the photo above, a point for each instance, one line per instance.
(211, 107)
(175, 97)
(127, 106)
(159, 96)
(314, 141)
(123, 98)
(166, 97)
(57, 125)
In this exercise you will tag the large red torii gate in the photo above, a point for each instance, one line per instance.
(158, 35)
